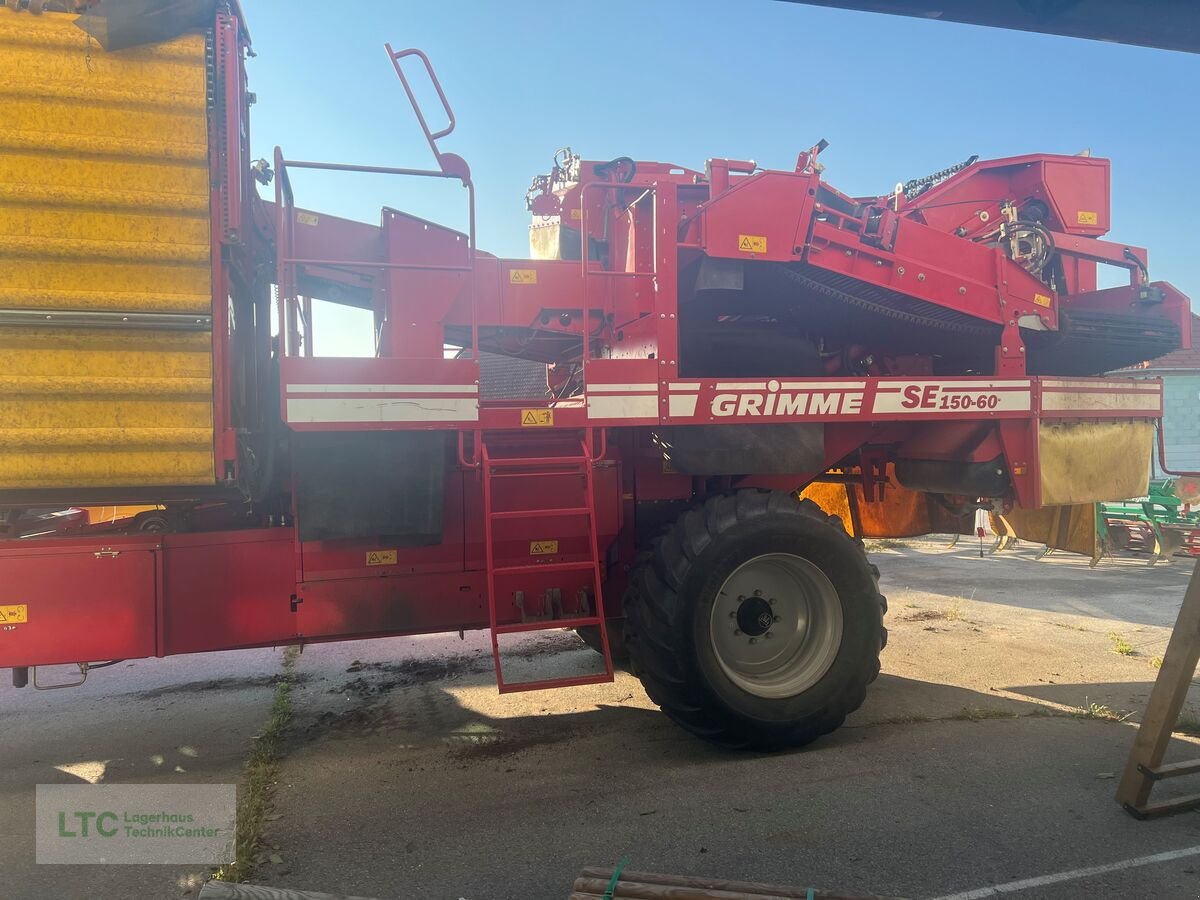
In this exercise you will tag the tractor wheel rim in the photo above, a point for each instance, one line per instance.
(776, 625)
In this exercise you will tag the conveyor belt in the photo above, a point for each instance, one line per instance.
(1087, 342)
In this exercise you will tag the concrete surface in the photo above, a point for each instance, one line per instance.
(185, 720)
(408, 776)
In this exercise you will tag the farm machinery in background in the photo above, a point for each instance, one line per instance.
(1164, 522)
(747, 372)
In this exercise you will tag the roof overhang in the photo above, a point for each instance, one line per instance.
(1166, 24)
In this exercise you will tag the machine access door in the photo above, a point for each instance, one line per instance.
(92, 603)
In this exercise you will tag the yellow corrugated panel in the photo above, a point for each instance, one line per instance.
(104, 193)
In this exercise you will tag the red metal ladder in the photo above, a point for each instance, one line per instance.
(537, 468)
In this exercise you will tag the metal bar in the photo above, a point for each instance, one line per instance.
(369, 264)
(514, 687)
(539, 513)
(78, 319)
(431, 136)
(580, 566)
(1162, 455)
(377, 170)
(594, 547)
(525, 462)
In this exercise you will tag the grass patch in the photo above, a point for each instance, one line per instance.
(1120, 645)
(1188, 724)
(258, 777)
(978, 714)
(1101, 712)
(1156, 662)
(883, 544)
(954, 613)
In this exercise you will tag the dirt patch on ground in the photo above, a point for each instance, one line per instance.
(378, 678)
(924, 615)
(216, 684)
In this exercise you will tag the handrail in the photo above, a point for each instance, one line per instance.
(450, 166)
(1162, 455)
(431, 136)
(583, 256)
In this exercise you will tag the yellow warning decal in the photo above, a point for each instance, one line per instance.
(1041, 299)
(1086, 217)
(537, 418)
(19, 614)
(522, 276)
(541, 548)
(577, 214)
(381, 557)
(752, 243)
(307, 218)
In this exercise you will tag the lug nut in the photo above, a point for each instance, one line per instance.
(737, 632)
(732, 615)
(754, 640)
(758, 593)
(768, 634)
(772, 601)
(775, 619)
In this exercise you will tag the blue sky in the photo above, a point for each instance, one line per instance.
(679, 81)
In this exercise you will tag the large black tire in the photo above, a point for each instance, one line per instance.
(669, 616)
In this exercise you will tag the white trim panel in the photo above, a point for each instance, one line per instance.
(629, 406)
(594, 388)
(1091, 401)
(335, 410)
(683, 405)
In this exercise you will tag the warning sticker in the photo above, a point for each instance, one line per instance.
(1085, 217)
(752, 243)
(577, 214)
(537, 418)
(19, 614)
(1041, 299)
(522, 276)
(307, 218)
(381, 557)
(541, 548)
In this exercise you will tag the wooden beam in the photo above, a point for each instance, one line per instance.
(1162, 709)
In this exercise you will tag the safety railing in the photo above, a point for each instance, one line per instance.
(290, 307)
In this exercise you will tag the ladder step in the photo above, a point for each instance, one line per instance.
(525, 462)
(539, 513)
(509, 687)
(541, 473)
(582, 566)
(547, 625)
(1171, 770)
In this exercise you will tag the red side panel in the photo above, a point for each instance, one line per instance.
(228, 589)
(82, 603)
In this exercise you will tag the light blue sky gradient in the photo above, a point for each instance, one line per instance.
(679, 81)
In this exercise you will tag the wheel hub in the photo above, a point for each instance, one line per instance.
(776, 625)
(754, 616)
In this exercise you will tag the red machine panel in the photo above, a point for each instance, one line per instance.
(229, 589)
(89, 602)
